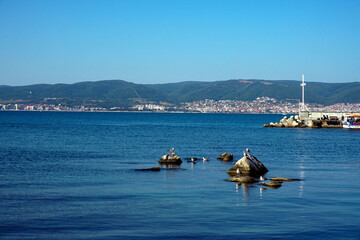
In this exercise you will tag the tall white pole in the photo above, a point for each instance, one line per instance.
(303, 84)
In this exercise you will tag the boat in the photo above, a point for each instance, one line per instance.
(351, 121)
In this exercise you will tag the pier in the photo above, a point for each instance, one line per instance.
(323, 119)
(310, 119)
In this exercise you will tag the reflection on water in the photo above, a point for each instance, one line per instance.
(245, 189)
(301, 175)
(169, 166)
(302, 183)
(262, 189)
(248, 192)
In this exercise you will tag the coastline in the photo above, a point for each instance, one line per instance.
(260, 113)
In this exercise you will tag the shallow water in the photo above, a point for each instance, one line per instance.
(71, 176)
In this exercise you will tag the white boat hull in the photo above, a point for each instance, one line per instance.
(351, 126)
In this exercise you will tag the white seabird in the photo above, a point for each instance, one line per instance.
(171, 149)
(262, 178)
(193, 161)
(205, 159)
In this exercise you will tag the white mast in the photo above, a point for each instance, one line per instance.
(303, 84)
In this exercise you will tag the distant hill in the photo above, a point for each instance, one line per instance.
(110, 93)
(323, 93)
(106, 93)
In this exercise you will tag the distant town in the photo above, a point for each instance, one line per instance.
(259, 105)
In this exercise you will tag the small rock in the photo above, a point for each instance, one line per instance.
(149, 169)
(282, 179)
(226, 157)
(272, 184)
(309, 124)
(243, 179)
(170, 158)
(295, 124)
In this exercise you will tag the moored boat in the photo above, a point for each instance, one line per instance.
(351, 121)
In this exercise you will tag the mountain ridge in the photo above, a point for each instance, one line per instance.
(118, 92)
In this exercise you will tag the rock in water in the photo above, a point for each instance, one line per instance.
(243, 179)
(170, 158)
(248, 165)
(295, 124)
(282, 179)
(226, 157)
(272, 184)
(149, 169)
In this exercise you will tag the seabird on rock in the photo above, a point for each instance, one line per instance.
(248, 150)
(238, 171)
(193, 159)
(262, 178)
(171, 149)
(205, 159)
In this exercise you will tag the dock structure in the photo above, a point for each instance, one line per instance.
(323, 119)
(314, 116)
(319, 119)
(310, 119)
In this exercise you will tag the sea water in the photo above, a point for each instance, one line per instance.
(72, 176)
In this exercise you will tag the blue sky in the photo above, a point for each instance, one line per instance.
(154, 41)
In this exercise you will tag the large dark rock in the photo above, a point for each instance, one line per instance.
(226, 157)
(249, 165)
(170, 158)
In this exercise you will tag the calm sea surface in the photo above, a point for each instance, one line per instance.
(72, 176)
